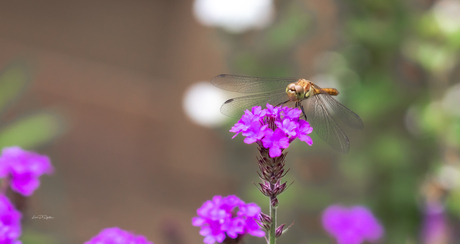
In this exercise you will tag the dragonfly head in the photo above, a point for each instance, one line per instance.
(295, 92)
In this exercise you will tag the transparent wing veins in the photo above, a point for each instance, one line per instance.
(325, 126)
(235, 107)
(248, 84)
(338, 111)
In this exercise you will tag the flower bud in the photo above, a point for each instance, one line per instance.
(279, 230)
(265, 218)
(274, 202)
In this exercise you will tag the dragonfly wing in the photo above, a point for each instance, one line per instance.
(338, 110)
(324, 124)
(248, 84)
(235, 107)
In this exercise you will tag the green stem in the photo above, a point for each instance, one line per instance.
(272, 233)
(4, 185)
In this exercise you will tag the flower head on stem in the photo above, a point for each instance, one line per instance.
(273, 129)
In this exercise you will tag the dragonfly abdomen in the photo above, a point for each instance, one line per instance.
(330, 91)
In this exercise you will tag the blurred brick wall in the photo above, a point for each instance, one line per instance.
(116, 71)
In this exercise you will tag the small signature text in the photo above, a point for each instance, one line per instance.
(42, 216)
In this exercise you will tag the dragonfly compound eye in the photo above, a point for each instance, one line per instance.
(299, 90)
(291, 87)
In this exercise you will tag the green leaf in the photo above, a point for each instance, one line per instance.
(31, 131)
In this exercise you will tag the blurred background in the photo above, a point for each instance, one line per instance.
(117, 93)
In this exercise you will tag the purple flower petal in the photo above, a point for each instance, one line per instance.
(10, 222)
(287, 126)
(303, 130)
(197, 221)
(242, 125)
(116, 235)
(275, 151)
(220, 237)
(209, 240)
(272, 111)
(230, 202)
(249, 210)
(292, 114)
(24, 168)
(435, 228)
(258, 113)
(253, 228)
(234, 227)
(206, 230)
(275, 141)
(254, 133)
(351, 226)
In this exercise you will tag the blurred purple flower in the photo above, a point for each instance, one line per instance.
(10, 222)
(116, 235)
(227, 216)
(435, 226)
(273, 128)
(24, 168)
(251, 211)
(351, 225)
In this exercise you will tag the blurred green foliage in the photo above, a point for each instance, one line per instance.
(395, 63)
(30, 130)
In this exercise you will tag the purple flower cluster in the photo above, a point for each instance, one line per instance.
(351, 225)
(10, 222)
(116, 235)
(219, 218)
(273, 128)
(23, 169)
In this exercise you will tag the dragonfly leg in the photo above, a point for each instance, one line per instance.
(303, 111)
(282, 103)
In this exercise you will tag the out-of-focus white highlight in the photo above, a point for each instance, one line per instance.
(202, 103)
(449, 177)
(446, 13)
(234, 15)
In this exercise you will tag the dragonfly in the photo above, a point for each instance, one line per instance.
(325, 114)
